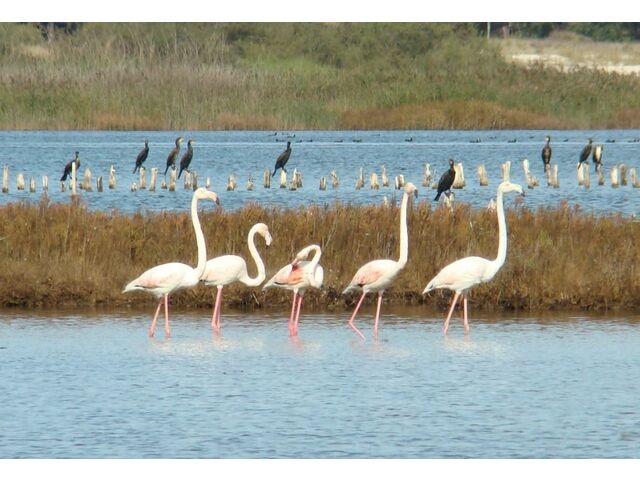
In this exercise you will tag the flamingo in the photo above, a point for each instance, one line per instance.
(226, 269)
(299, 275)
(377, 275)
(463, 274)
(162, 280)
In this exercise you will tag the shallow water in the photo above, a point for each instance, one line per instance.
(78, 386)
(316, 153)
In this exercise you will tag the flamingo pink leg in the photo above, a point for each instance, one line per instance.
(167, 330)
(466, 319)
(215, 324)
(152, 328)
(355, 329)
(293, 312)
(375, 325)
(295, 325)
(453, 304)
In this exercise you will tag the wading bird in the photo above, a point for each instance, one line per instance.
(299, 275)
(162, 280)
(67, 167)
(142, 156)
(171, 159)
(466, 273)
(586, 151)
(446, 180)
(227, 269)
(546, 153)
(282, 160)
(185, 161)
(377, 275)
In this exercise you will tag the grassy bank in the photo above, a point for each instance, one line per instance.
(65, 255)
(293, 76)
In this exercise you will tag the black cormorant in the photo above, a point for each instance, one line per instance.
(446, 180)
(142, 156)
(586, 151)
(546, 153)
(186, 158)
(171, 159)
(282, 159)
(67, 167)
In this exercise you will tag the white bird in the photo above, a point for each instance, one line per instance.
(299, 275)
(165, 279)
(226, 269)
(377, 275)
(466, 273)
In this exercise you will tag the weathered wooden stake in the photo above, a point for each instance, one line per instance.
(323, 183)
(45, 183)
(20, 181)
(173, 177)
(32, 185)
(99, 186)
(73, 179)
(266, 179)
(143, 178)
(5, 179)
(112, 177)
(154, 177)
(283, 179)
(373, 181)
(86, 180)
(482, 175)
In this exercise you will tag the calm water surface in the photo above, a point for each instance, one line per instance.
(78, 385)
(316, 153)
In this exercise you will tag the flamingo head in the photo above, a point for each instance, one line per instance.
(506, 187)
(263, 230)
(203, 194)
(410, 189)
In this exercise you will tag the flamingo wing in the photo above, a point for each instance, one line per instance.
(224, 270)
(461, 274)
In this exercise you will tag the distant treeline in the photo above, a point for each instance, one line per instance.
(287, 76)
(600, 31)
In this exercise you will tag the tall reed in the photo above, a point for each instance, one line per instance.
(65, 254)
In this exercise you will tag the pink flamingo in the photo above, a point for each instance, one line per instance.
(463, 274)
(377, 275)
(298, 276)
(226, 269)
(165, 279)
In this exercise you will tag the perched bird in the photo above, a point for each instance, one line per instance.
(67, 167)
(282, 160)
(227, 269)
(597, 156)
(171, 159)
(586, 151)
(466, 273)
(546, 153)
(142, 156)
(377, 275)
(165, 279)
(299, 275)
(446, 180)
(186, 158)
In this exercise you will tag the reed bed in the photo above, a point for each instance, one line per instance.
(558, 258)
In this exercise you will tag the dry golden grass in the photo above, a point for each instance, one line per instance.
(63, 254)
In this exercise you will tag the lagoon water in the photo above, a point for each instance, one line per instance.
(95, 386)
(316, 153)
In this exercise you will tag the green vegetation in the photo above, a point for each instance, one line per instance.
(64, 254)
(293, 76)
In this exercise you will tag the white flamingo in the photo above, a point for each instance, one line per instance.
(377, 275)
(466, 273)
(226, 269)
(165, 279)
(299, 275)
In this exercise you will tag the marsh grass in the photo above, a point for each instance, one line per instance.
(558, 258)
(273, 76)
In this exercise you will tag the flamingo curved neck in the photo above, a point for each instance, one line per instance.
(259, 278)
(404, 236)
(502, 233)
(316, 256)
(202, 249)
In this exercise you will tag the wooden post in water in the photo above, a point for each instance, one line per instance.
(399, 182)
(614, 176)
(426, 176)
(86, 180)
(360, 180)
(5, 179)
(266, 179)
(586, 177)
(459, 182)
(373, 181)
(134, 187)
(112, 177)
(173, 177)
(73, 179)
(297, 178)
(99, 186)
(207, 183)
(283, 179)
(334, 179)
(634, 177)
(384, 179)
(143, 178)
(32, 185)
(231, 183)
(482, 175)
(154, 176)
(250, 183)
(187, 181)
(323, 183)
(506, 171)
(45, 183)
(20, 181)
(623, 174)
(194, 180)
